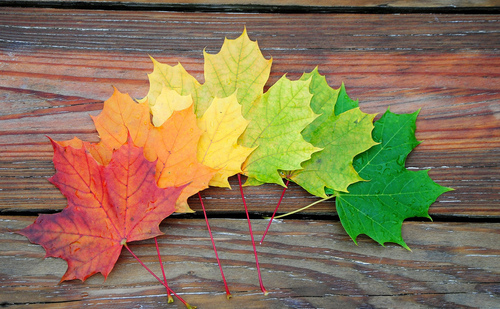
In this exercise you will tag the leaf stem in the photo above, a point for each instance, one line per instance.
(228, 294)
(263, 289)
(303, 208)
(275, 210)
(159, 280)
(169, 297)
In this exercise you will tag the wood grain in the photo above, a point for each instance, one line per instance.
(305, 264)
(279, 4)
(57, 66)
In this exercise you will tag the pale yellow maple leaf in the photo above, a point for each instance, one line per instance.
(174, 78)
(166, 103)
(222, 124)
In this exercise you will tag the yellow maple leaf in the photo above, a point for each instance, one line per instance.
(166, 103)
(222, 124)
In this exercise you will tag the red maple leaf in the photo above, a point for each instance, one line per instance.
(108, 206)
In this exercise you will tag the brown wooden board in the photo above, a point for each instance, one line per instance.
(57, 66)
(276, 5)
(305, 264)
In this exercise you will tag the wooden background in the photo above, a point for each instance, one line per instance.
(59, 59)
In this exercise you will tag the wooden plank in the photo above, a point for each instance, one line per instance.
(306, 264)
(56, 67)
(324, 4)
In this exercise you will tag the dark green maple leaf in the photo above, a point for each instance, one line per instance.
(392, 193)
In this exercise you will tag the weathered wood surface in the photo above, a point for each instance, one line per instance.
(57, 66)
(277, 5)
(305, 264)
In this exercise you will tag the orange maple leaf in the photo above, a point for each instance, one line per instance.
(173, 144)
(108, 206)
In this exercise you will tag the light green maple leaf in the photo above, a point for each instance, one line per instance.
(341, 137)
(275, 125)
(391, 193)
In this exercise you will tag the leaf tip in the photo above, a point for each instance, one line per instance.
(153, 59)
(404, 245)
(52, 141)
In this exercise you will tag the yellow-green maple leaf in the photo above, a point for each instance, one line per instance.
(342, 137)
(276, 121)
(239, 65)
(222, 125)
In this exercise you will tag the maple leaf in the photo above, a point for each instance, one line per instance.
(166, 103)
(276, 121)
(341, 136)
(173, 144)
(108, 206)
(239, 70)
(173, 78)
(239, 65)
(344, 102)
(222, 124)
(391, 193)
(119, 118)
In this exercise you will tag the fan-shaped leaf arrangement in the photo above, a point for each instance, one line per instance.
(184, 136)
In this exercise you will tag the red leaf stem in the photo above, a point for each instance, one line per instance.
(169, 297)
(275, 210)
(228, 294)
(188, 306)
(263, 289)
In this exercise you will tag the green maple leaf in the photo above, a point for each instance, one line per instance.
(391, 193)
(341, 136)
(276, 121)
(323, 101)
